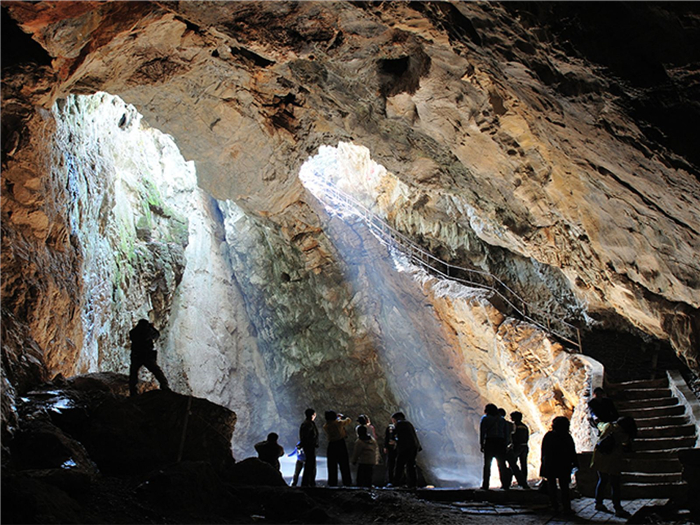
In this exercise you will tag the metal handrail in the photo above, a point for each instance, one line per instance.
(393, 238)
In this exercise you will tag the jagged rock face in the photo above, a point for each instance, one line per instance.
(569, 182)
(503, 152)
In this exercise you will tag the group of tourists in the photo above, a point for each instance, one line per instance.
(401, 446)
(506, 441)
(500, 439)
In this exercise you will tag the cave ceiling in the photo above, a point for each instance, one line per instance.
(569, 157)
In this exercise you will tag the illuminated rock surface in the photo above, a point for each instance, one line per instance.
(501, 144)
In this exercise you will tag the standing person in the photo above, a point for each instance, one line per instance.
(336, 430)
(407, 448)
(365, 455)
(143, 353)
(299, 465)
(601, 408)
(558, 461)
(363, 421)
(492, 436)
(390, 451)
(521, 436)
(308, 438)
(608, 458)
(511, 458)
(270, 451)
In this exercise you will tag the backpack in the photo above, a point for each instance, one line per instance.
(606, 445)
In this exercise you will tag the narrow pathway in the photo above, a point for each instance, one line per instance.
(504, 298)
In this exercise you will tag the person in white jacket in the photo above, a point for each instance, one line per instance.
(365, 455)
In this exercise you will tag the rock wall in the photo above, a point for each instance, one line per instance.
(534, 143)
(503, 149)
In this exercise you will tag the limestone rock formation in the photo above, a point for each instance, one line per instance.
(496, 137)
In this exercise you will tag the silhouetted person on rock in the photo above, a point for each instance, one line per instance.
(143, 336)
(308, 440)
(407, 448)
(492, 436)
(269, 450)
(336, 430)
(601, 408)
(558, 461)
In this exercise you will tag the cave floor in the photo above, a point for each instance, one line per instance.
(445, 508)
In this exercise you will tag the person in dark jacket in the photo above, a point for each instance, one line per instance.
(601, 408)
(521, 437)
(308, 439)
(407, 448)
(269, 450)
(511, 457)
(493, 439)
(390, 451)
(143, 353)
(558, 461)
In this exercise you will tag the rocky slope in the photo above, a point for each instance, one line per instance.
(508, 143)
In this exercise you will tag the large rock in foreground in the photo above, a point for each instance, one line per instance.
(128, 435)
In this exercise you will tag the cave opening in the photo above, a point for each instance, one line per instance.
(279, 285)
(361, 196)
(151, 240)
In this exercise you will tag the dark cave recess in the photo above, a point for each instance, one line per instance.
(629, 357)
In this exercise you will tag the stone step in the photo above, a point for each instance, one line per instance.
(653, 455)
(650, 412)
(645, 478)
(666, 431)
(640, 383)
(658, 490)
(636, 404)
(659, 465)
(641, 393)
(664, 444)
(664, 421)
